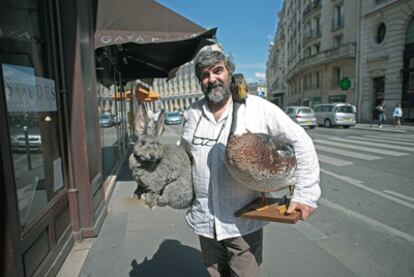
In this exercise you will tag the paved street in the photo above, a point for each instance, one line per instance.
(364, 225)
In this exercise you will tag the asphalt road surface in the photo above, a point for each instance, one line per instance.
(365, 219)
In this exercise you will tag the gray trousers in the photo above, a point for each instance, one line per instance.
(241, 256)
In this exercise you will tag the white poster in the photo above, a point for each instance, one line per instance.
(27, 93)
(57, 175)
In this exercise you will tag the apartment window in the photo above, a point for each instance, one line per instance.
(381, 33)
(337, 41)
(308, 52)
(317, 22)
(338, 16)
(315, 49)
(336, 76)
(411, 81)
(316, 82)
(410, 33)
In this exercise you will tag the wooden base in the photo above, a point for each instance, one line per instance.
(270, 212)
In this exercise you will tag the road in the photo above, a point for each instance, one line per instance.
(365, 219)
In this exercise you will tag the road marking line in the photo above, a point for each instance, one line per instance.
(403, 148)
(358, 183)
(399, 195)
(347, 153)
(362, 148)
(404, 138)
(382, 140)
(333, 161)
(309, 231)
(377, 224)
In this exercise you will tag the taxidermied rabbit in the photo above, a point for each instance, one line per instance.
(162, 172)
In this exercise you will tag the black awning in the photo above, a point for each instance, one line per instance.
(144, 39)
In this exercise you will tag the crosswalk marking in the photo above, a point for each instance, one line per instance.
(360, 184)
(347, 153)
(396, 147)
(382, 140)
(333, 161)
(362, 148)
(382, 227)
(400, 195)
(395, 138)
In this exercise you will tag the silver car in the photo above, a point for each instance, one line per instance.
(302, 115)
(335, 114)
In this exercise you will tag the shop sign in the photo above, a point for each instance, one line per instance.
(26, 92)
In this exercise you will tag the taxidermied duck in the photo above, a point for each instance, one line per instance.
(258, 161)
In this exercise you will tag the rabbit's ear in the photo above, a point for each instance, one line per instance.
(141, 120)
(159, 126)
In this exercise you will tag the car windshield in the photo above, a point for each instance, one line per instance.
(305, 111)
(105, 116)
(173, 114)
(344, 109)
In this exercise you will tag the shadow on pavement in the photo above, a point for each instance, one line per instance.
(171, 259)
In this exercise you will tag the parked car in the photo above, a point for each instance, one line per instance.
(19, 142)
(335, 114)
(173, 118)
(302, 115)
(106, 120)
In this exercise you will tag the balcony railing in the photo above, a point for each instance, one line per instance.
(337, 23)
(311, 35)
(344, 51)
(316, 4)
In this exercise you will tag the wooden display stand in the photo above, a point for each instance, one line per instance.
(272, 211)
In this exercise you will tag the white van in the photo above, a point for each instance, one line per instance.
(335, 114)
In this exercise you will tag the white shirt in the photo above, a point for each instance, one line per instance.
(217, 194)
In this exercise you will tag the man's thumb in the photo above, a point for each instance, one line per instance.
(292, 207)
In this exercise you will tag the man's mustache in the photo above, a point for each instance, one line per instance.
(214, 85)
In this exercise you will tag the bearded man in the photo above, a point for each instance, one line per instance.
(233, 246)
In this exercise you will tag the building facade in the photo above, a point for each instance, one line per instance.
(386, 58)
(277, 64)
(320, 49)
(179, 92)
(64, 133)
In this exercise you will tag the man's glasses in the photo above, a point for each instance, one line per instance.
(203, 141)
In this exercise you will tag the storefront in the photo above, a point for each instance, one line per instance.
(34, 151)
(65, 123)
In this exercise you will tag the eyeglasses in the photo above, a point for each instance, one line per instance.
(203, 141)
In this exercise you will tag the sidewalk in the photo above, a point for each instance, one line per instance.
(136, 241)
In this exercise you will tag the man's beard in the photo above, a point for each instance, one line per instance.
(216, 93)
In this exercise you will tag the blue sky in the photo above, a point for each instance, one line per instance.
(245, 28)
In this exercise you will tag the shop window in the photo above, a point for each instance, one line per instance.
(32, 103)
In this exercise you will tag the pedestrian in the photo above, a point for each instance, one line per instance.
(381, 114)
(397, 114)
(233, 245)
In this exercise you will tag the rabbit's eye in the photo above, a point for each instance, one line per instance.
(143, 142)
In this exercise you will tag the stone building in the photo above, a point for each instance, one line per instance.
(386, 57)
(181, 91)
(320, 49)
(276, 63)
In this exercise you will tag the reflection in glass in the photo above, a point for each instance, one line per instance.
(31, 98)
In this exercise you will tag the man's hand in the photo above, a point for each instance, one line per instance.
(305, 210)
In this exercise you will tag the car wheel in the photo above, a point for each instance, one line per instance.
(327, 123)
(311, 127)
